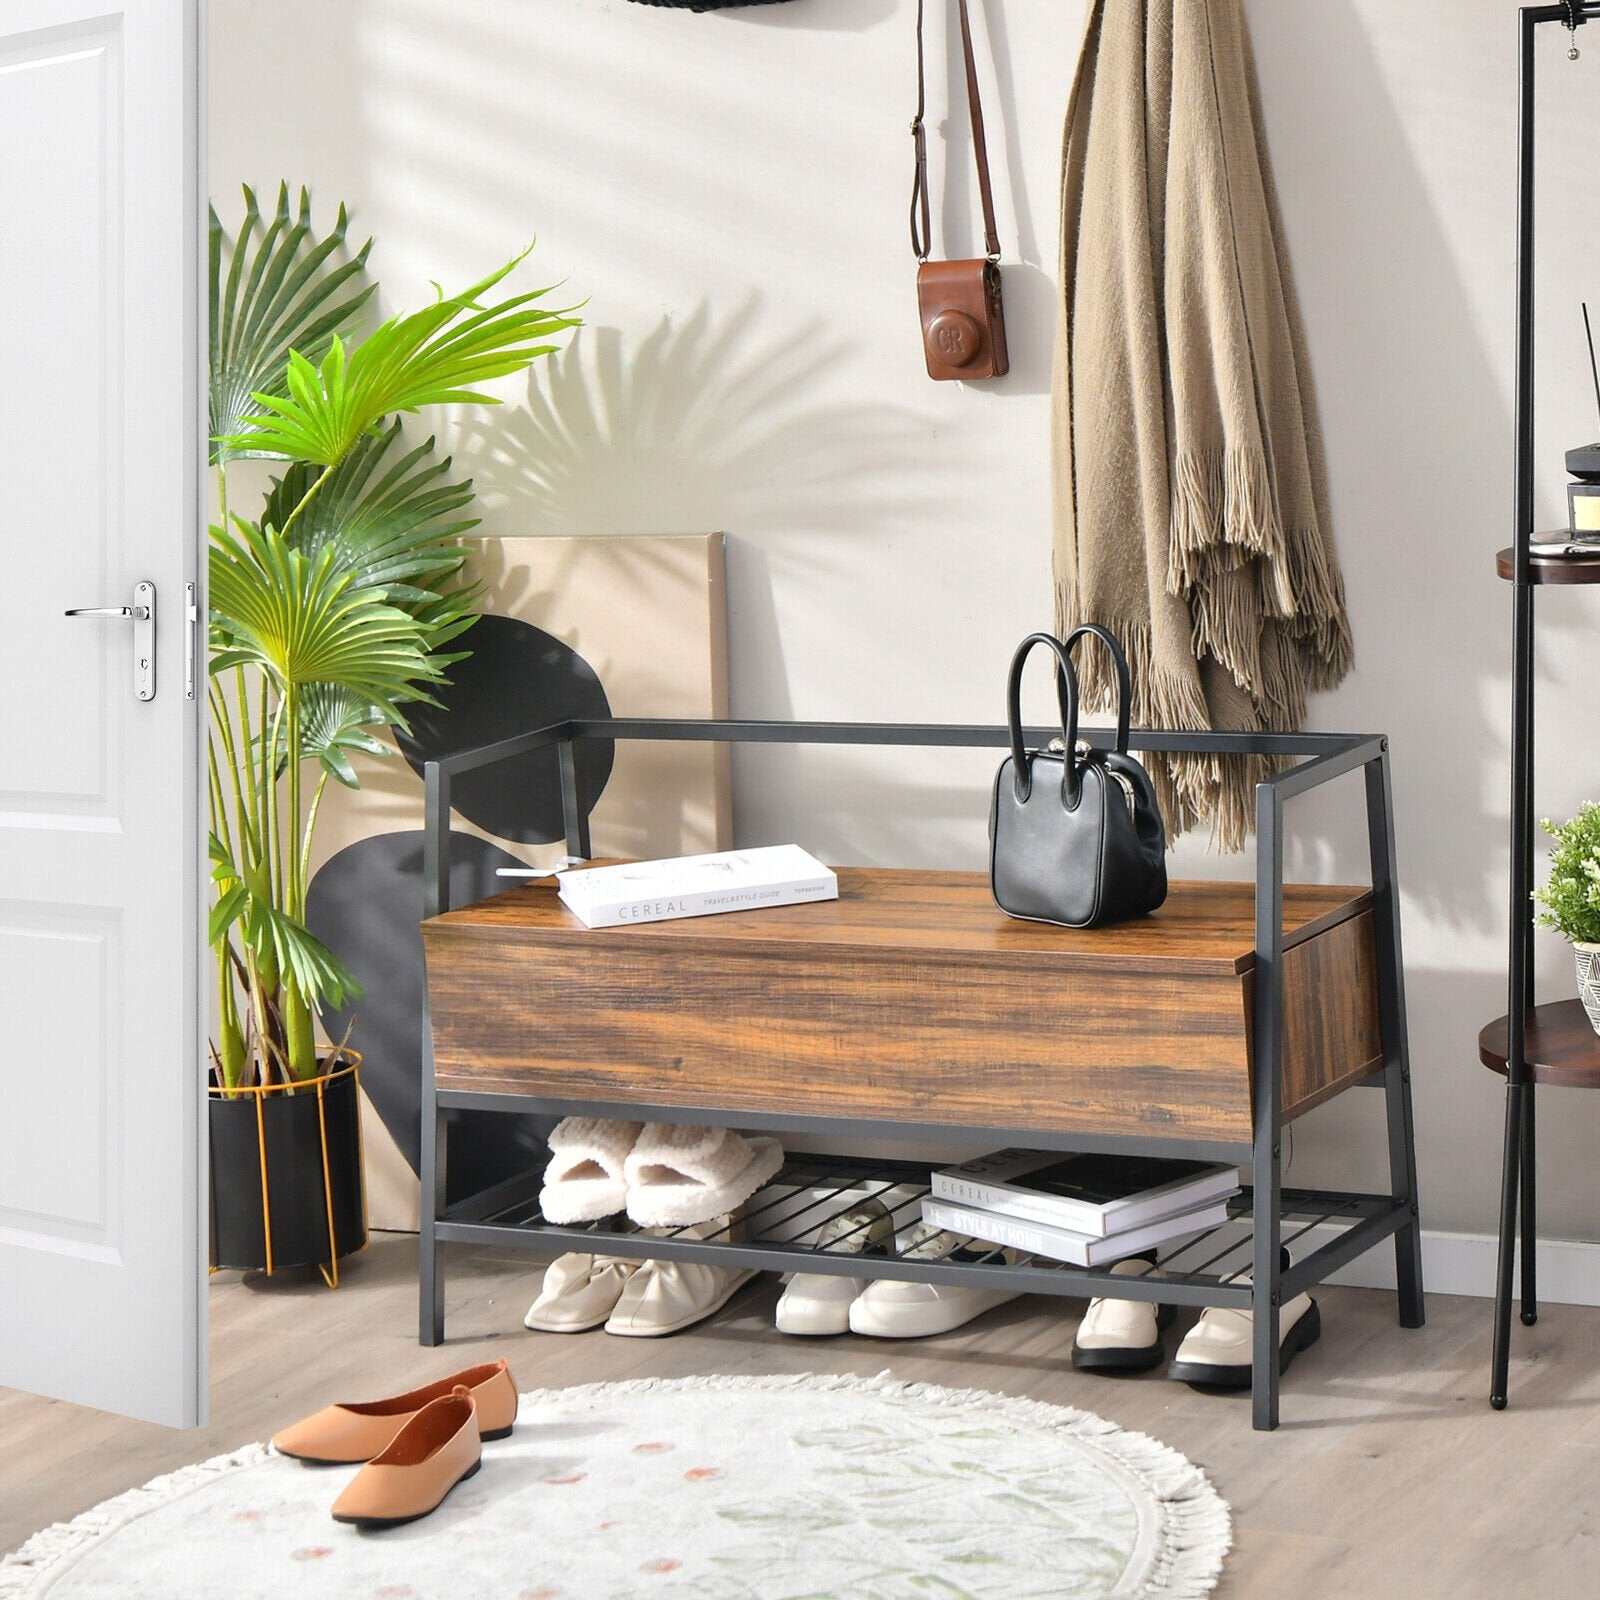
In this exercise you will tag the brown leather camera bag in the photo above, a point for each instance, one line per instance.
(963, 323)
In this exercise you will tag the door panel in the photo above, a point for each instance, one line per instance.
(101, 1087)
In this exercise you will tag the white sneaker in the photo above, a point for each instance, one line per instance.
(890, 1309)
(818, 1303)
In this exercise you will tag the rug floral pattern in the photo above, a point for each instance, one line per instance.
(712, 1488)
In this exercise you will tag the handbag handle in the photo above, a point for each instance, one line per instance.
(921, 228)
(1066, 700)
(1124, 680)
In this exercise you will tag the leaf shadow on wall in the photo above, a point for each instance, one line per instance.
(700, 426)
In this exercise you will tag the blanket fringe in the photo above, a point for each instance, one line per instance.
(1191, 789)
(1223, 514)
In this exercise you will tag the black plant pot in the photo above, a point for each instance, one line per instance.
(308, 1144)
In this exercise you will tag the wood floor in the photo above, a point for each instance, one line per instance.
(1389, 1477)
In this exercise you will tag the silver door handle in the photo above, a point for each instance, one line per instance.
(142, 614)
(139, 612)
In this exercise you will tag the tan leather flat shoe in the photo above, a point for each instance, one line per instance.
(437, 1449)
(341, 1435)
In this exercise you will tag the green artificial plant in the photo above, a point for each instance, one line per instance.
(1571, 896)
(335, 605)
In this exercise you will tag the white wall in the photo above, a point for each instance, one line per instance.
(729, 192)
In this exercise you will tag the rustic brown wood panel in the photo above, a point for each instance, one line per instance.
(1331, 1034)
(911, 998)
(1202, 926)
(863, 1035)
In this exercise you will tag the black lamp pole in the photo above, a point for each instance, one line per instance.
(1517, 1180)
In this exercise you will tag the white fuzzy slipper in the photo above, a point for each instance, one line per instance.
(678, 1173)
(584, 1180)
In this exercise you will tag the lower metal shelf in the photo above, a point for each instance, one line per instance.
(812, 1189)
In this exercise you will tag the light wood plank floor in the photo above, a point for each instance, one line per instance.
(1389, 1477)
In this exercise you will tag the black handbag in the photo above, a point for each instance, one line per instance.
(1075, 835)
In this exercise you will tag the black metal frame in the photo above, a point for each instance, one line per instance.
(508, 1213)
(1517, 1167)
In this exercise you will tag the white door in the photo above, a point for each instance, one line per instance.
(101, 1268)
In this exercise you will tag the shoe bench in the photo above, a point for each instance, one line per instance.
(912, 1008)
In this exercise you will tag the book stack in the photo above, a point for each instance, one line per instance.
(1087, 1210)
(696, 886)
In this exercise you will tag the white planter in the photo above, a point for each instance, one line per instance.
(1588, 959)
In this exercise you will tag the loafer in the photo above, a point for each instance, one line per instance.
(437, 1449)
(1122, 1335)
(816, 1304)
(1216, 1351)
(361, 1430)
(579, 1292)
(664, 1297)
(890, 1309)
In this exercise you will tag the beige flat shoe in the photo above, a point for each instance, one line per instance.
(358, 1431)
(664, 1297)
(579, 1292)
(437, 1449)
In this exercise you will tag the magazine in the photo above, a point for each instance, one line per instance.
(1061, 1244)
(1088, 1194)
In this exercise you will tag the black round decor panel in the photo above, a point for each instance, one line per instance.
(517, 678)
(366, 903)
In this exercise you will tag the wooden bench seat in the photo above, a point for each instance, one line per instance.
(911, 998)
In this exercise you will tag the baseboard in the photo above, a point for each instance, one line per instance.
(1464, 1263)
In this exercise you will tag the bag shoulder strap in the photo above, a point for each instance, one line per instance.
(921, 229)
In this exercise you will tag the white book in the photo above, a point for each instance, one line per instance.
(1061, 1244)
(696, 886)
(1089, 1194)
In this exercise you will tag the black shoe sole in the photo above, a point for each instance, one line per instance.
(1206, 1375)
(361, 1461)
(1127, 1358)
(416, 1516)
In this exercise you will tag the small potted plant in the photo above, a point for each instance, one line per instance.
(1571, 898)
(331, 609)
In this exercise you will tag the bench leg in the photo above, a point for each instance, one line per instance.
(430, 1269)
(1396, 1046)
(1266, 1169)
(1266, 1305)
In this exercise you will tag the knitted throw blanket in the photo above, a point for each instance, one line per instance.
(1190, 491)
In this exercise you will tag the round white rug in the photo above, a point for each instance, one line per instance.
(713, 1488)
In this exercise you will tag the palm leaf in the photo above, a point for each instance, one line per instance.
(281, 944)
(283, 290)
(333, 727)
(430, 357)
(390, 522)
(302, 622)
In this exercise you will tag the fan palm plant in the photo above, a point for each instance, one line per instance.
(336, 605)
